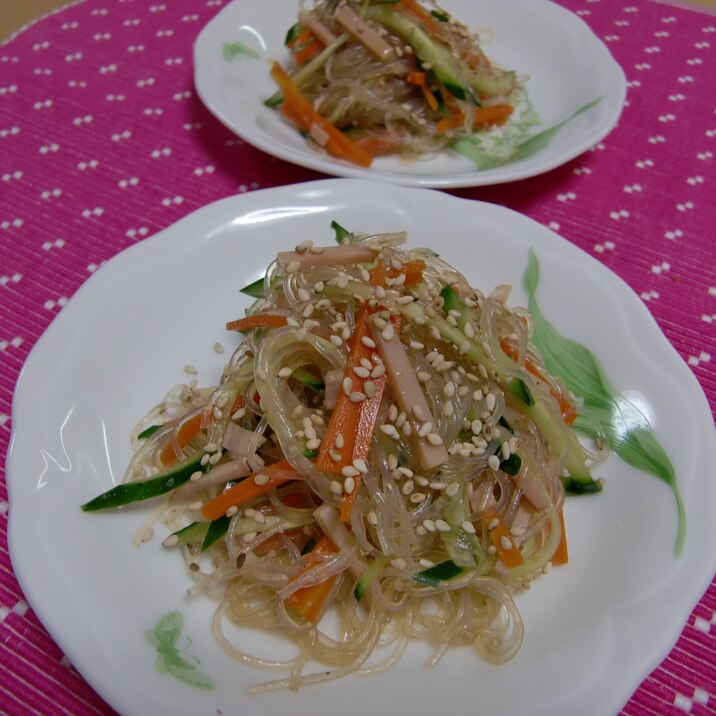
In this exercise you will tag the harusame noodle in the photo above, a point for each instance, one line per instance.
(384, 453)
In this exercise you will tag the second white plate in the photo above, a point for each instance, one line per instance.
(566, 64)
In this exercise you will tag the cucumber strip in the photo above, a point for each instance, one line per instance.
(215, 531)
(191, 533)
(255, 289)
(439, 573)
(129, 492)
(148, 432)
(309, 380)
(369, 575)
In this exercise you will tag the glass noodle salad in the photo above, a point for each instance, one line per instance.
(375, 77)
(384, 459)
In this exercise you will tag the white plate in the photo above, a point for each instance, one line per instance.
(568, 67)
(593, 629)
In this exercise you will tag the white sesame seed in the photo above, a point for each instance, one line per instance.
(369, 388)
(336, 487)
(517, 531)
(493, 462)
(429, 525)
(261, 479)
(347, 385)
(361, 372)
(423, 376)
(419, 413)
(492, 549)
(293, 266)
(392, 462)
(464, 348)
(505, 450)
(372, 518)
(285, 372)
(357, 397)
(398, 563)
(476, 427)
(239, 414)
(260, 518)
(447, 409)
(313, 444)
(359, 464)
(442, 526)
(494, 524)
(434, 439)
(368, 342)
(349, 471)
(349, 484)
(452, 489)
(205, 459)
(490, 401)
(407, 429)
(438, 485)
(425, 429)
(477, 395)
(215, 458)
(232, 511)
(506, 542)
(407, 487)
(378, 371)
(190, 369)
(388, 332)
(417, 497)
(468, 527)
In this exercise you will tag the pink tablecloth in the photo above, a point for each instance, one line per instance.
(103, 142)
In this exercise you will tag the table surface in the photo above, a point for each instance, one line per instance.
(103, 142)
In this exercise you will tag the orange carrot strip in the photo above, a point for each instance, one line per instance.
(188, 430)
(309, 601)
(415, 78)
(302, 38)
(495, 114)
(561, 555)
(413, 271)
(248, 489)
(430, 97)
(308, 52)
(456, 120)
(338, 143)
(510, 556)
(260, 320)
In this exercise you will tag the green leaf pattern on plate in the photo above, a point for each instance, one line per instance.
(511, 143)
(232, 50)
(170, 659)
(605, 413)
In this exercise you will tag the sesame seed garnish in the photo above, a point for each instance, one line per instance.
(392, 461)
(423, 376)
(261, 479)
(434, 439)
(493, 462)
(360, 371)
(505, 450)
(347, 385)
(349, 484)
(205, 459)
(418, 413)
(293, 266)
(334, 455)
(490, 401)
(407, 429)
(463, 348)
(447, 409)
(417, 497)
(494, 524)
(438, 485)
(313, 444)
(190, 369)
(506, 542)
(425, 429)
(349, 471)
(452, 489)
(398, 563)
(336, 340)
(369, 388)
(420, 531)
(517, 531)
(442, 526)
(368, 342)
(340, 441)
(336, 487)
(492, 549)
(196, 476)
(468, 527)
(426, 563)
(388, 332)
(372, 518)
(357, 397)
(407, 487)
(285, 372)
(318, 286)
(232, 511)
(359, 464)
(429, 525)
(216, 457)
(378, 371)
